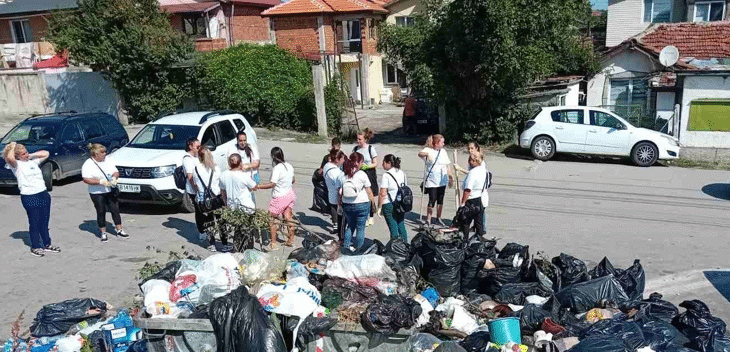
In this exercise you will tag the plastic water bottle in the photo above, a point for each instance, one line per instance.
(8, 347)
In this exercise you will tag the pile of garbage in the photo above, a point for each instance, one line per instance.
(443, 293)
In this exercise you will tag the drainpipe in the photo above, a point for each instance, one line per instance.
(230, 25)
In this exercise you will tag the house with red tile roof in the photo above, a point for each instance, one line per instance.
(342, 34)
(218, 24)
(686, 95)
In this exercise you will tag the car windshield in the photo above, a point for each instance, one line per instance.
(32, 133)
(164, 136)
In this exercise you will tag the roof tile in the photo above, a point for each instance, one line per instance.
(322, 6)
(701, 40)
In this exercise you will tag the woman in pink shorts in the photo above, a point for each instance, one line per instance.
(282, 197)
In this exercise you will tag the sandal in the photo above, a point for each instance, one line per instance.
(271, 247)
(289, 243)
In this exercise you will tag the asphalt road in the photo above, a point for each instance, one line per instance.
(674, 220)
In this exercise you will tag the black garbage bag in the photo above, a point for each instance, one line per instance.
(544, 272)
(653, 308)
(603, 268)
(58, 318)
(627, 331)
(320, 198)
(510, 250)
(531, 318)
(388, 315)
(399, 252)
(492, 280)
(241, 324)
(337, 291)
(515, 293)
(449, 346)
(441, 263)
(369, 246)
(632, 279)
(308, 331)
(409, 281)
(700, 327)
(598, 343)
(572, 270)
(96, 340)
(476, 341)
(584, 296)
(478, 250)
(661, 335)
(167, 273)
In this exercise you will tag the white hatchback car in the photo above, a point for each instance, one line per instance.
(147, 163)
(592, 130)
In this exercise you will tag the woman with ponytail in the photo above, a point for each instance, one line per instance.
(392, 179)
(356, 198)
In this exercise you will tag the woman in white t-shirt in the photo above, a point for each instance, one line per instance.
(282, 197)
(101, 176)
(474, 149)
(356, 198)
(33, 194)
(333, 177)
(475, 195)
(237, 185)
(393, 178)
(437, 175)
(249, 155)
(207, 176)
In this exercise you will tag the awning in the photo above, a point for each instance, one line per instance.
(57, 61)
(193, 7)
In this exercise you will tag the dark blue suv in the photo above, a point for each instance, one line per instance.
(66, 137)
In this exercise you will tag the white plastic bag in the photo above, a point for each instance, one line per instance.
(463, 321)
(218, 275)
(69, 344)
(426, 308)
(156, 292)
(287, 300)
(361, 268)
(422, 342)
(258, 266)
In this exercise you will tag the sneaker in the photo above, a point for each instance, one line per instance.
(122, 234)
(53, 249)
(227, 248)
(38, 252)
(212, 248)
(104, 238)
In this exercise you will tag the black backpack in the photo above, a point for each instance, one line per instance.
(403, 201)
(181, 178)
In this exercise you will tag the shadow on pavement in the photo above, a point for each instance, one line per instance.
(515, 152)
(10, 191)
(147, 209)
(720, 280)
(397, 136)
(68, 180)
(307, 220)
(185, 229)
(22, 235)
(90, 227)
(717, 190)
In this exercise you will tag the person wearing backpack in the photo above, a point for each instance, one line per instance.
(475, 197)
(333, 177)
(370, 162)
(391, 193)
(356, 198)
(207, 179)
(474, 149)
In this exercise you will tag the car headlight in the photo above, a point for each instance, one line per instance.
(671, 141)
(163, 171)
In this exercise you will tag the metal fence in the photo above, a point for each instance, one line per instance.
(641, 116)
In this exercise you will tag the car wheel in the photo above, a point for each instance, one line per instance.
(47, 172)
(187, 205)
(543, 148)
(644, 154)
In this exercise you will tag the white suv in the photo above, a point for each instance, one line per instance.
(147, 163)
(591, 130)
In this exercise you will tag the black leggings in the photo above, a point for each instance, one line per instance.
(477, 219)
(204, 220)
(435, 195)
(102, 203)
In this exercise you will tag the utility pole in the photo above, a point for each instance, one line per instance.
(318, 78)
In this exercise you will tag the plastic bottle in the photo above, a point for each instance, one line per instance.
(8, 347)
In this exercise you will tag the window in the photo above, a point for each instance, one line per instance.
(91, 129)
(599, 118)
(393, 75)
(208, 137)
(194, 25)
(239, 125)
(110, 125)
(657, 10)
(351, 36)
(709, 11)
(227, 133)
(71, 134)
(568, 116)
(405, 21)
(629, 97)
(155, 136)
(373, 26)
(21, 31)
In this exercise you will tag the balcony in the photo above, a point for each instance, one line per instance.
(24, 55)
(349, 46)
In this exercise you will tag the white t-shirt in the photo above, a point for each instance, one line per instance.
(333, 177)
(29, 175)
(189, 163)
(283, 176)
(439, 176)
(244, 158)
(475, 182)
(390, 184)
(215, 183)
(361, 182)
(237, 185)
(368, 153)
(90, 170)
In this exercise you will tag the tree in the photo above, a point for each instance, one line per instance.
(132, 43)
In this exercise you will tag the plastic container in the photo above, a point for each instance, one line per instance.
(505, 330)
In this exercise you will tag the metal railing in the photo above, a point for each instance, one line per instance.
(349, 46)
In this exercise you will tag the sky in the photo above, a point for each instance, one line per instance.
(599, 4)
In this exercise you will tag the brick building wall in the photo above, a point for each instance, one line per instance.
(38, 28)
(210, 44)
(297, 33)
(247, 23)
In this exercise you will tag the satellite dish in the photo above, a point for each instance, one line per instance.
(669, 55)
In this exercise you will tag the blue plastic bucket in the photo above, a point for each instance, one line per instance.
(505, 330)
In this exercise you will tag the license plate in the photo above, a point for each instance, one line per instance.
(128, 188)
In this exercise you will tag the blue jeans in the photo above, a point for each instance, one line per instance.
(395, 222)
(38, 207)
(356, 214)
